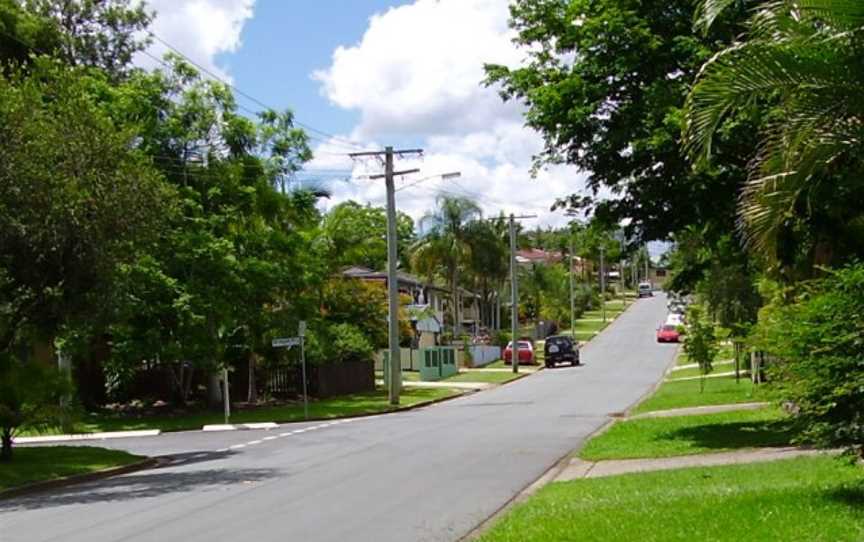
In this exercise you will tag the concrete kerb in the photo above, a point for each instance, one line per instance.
(87, 436)
(66, 481)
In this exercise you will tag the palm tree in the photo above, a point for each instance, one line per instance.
(488, 263)
(443, 245)
(803, 59)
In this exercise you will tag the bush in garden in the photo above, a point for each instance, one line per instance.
(349, 344)
(31, 395)
(818, 342)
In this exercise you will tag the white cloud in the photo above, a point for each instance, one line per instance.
(201, 29)
(417, 75)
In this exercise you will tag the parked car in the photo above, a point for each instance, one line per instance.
(560, 349)
(668, 333)
(645, 290)
(526, 353)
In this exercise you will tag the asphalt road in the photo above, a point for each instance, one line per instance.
(426, 475)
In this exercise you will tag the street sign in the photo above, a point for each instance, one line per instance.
(302, 328)
(286, 342)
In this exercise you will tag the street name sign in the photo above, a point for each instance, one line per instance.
(286, 342)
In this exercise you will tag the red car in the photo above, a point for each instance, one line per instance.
(668, 334)
(526, 353)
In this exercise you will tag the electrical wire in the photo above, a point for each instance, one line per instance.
(331, 138)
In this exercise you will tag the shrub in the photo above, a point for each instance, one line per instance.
(818, 342)
(30, 395)
(349, 344)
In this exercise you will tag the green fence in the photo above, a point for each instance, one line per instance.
(437, 363)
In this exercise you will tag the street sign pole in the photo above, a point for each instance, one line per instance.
(302, 334)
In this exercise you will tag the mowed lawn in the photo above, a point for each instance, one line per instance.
(718, 391)
(335, 407)
(489, 377)
(814, 499)
(684, 435)
(35, 464)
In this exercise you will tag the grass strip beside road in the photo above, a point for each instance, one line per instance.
(685, 435)
(810, 498)
(488, 377)
(718, 391)
(40, 463)
(334, 407)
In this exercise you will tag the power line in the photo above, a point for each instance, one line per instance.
(331, 138)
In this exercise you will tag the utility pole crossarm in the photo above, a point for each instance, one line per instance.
(362, 154)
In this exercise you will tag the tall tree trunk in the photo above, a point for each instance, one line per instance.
(6, 450)
(253, 388)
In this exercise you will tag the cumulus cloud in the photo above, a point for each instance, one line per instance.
(418, 68)
(201, 29)
(416, 75)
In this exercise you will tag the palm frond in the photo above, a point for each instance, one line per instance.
(707, 11)
(738, 75)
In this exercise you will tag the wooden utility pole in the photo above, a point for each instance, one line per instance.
(394, 378)
(514, 294)
(572, 297)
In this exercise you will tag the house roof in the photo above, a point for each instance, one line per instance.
(536, 255)
(401, 277)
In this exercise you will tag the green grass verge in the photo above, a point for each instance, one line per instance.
(484, 376)
(685, 435)
(335, 407)
(718, 391)
(37, 464)
(814, 499)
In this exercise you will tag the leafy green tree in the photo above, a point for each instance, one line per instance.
(357, 235)
(105, 34)
(721, 273)
(815, 342)
(237, 263)
(443, 245)
(363, 304)
(801, 205)
(29, 394)
(700, 342)
(75, 198)
(604, 82)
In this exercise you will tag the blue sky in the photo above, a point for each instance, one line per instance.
(285, 42)
(405, 73)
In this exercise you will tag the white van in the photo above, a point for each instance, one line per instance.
(645, 290)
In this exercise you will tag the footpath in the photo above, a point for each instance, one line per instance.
(578, 468)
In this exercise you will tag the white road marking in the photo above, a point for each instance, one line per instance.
(270, 438)
(254, 442)
(237, 446)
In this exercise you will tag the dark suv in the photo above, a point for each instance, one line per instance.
(560, 348)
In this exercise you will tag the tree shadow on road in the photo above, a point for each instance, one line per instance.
(177, 474)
